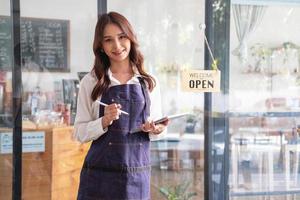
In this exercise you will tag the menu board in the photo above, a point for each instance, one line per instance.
(44, 44)
(5, 43)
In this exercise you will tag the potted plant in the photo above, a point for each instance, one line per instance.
(178, 192)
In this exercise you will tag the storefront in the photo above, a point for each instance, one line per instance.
(240, 143)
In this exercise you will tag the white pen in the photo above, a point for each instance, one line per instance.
(104, 104)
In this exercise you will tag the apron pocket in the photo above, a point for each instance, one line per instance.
(128, 154)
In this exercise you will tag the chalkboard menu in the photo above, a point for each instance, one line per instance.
(44, 44)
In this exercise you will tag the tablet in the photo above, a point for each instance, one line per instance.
(170, 117)
(162, 120)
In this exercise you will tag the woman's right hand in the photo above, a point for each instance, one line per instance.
(111, 113)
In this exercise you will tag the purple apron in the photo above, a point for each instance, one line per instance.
(117, 165)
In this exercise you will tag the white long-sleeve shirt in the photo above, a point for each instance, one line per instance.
(88, 125)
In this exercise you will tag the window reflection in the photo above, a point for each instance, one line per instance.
(170, 43)
(264, 117)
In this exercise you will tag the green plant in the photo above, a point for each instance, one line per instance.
(178, 192)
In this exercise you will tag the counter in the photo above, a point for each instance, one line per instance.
(50, 174)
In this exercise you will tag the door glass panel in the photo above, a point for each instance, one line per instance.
(6, 56)
(264, 100)
(56, 44)
(170, 43)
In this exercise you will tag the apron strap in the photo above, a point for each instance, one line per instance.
(147, 98)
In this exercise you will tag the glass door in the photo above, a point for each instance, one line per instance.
(56, 51)
(264, 112)
(56, 45)
(171, 41)
(6, 56)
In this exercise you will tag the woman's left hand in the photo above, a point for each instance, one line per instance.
(150, 127)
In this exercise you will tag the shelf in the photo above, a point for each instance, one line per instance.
(263, 114)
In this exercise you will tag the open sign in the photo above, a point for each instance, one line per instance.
(200, 80)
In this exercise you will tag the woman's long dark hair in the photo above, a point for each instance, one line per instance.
(102, 62)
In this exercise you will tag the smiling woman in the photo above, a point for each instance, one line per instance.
(111, 31)
(118, 160)
(116, 44)
(172, 43)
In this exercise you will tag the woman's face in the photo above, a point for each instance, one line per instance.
(115, 43)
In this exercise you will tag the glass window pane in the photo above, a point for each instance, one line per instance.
(6, 56)
(264, 101)
(56, 44)
(171, 41)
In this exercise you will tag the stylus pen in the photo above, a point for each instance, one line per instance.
(104, 104)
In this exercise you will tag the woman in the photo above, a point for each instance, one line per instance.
(117, 165)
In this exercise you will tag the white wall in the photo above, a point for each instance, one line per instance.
(83, 18)
(5, 7)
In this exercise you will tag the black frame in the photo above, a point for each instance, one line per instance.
(17, 102)
(102, 7)
(216, 125)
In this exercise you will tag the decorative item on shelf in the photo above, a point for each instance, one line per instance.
(190, 124)
(66, 114)
(283, 59)
(37, 100)
(70, 93)
(2, 76)
(290, 45)
(8, 97)
(171, 68)
(2, 96)
(261, 55)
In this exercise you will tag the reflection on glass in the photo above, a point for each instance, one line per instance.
(264, 125)
(5, 103)
(172, 42)
(56, 45)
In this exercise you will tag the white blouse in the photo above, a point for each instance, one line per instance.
(88, 125)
